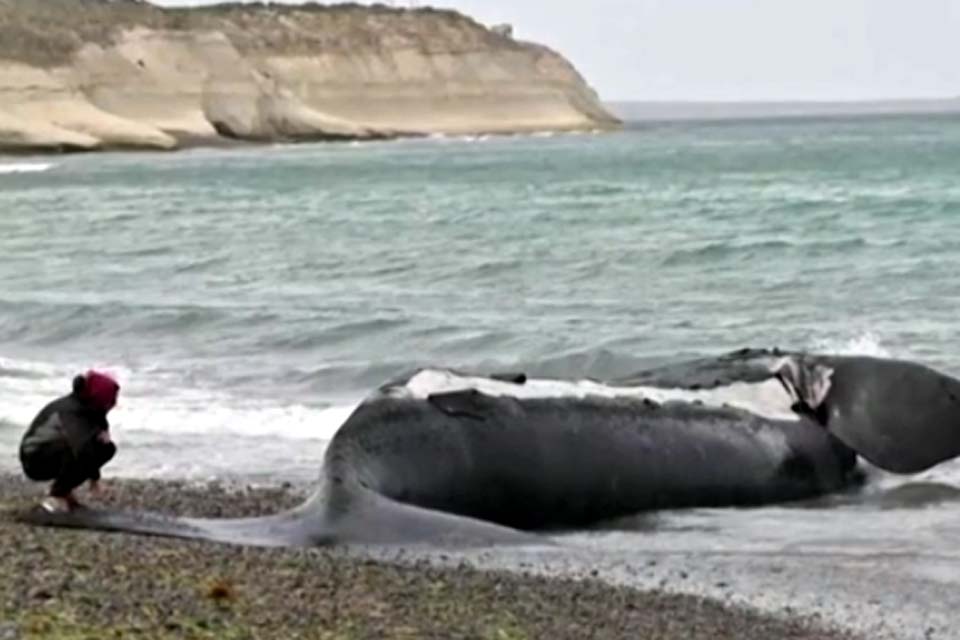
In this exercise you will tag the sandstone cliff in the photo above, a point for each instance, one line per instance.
(91, 74)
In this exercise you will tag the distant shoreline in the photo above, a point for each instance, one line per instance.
(631, 113)
(214, 143)
(652, 111)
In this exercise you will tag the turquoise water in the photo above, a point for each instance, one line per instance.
(247, 298)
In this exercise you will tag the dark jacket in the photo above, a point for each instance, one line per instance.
(71, 421)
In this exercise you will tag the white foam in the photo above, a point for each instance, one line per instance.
(864, 344)
(26, 167)
(11, 367)
(180, 415)
(768, 399)
(153, 402)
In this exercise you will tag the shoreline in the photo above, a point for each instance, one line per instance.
(77, 584)
(214, 143)
(183, 144)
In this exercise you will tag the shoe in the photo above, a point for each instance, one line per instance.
(53, 504)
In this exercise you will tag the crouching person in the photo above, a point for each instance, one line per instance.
(69, 440)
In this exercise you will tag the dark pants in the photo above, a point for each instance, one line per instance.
(56, 461)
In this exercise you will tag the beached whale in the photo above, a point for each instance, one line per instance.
(448, 458)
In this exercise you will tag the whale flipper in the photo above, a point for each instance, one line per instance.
(901, 416)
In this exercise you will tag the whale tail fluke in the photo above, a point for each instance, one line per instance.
(360, 518)
(286, 529)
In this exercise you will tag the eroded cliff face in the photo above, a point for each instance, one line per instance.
(89, 74)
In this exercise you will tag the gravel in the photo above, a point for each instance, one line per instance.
(78, 584)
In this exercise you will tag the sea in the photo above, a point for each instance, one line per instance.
(248, 298)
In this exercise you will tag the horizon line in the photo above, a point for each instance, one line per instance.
(781, 101)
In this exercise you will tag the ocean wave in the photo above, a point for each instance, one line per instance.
(10, 368)
(608, 364)
(166, 429)
(590, 188)
(357, 379)
(596, 363)
(720, 251)
(170, 424)
(316, 333)
(223, 414)
(863, 344)
(26, 167)
(201, 264)
(155, 402)
(354, 379)
(53, 322)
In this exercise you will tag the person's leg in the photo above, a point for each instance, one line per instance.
(79, 469)
(96, 455)
(44, 462)
(72, 475)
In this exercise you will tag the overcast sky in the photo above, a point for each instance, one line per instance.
(742, 49)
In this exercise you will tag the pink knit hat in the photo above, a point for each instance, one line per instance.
(102, 389)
